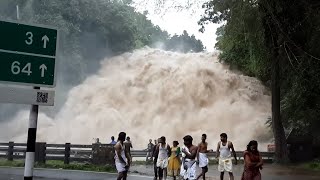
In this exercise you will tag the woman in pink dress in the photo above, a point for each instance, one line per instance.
(252, 162)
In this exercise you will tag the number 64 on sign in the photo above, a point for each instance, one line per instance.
(15, 68)
(27, 69)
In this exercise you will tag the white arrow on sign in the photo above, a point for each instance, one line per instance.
(45, 39)
(43, 68)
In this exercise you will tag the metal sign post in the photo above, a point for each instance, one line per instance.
(27, 57)
(31, 142)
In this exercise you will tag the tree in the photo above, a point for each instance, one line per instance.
(272, 40)
(184, 43)
(258, 37)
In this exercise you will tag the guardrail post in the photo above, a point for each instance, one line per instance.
(40, 152)
(95, 153)
(67, 153)
(10, 151)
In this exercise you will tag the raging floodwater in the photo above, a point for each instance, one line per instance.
(150, 93)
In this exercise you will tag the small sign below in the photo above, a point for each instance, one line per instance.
(17, 95)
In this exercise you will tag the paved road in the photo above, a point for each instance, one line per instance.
(47, 174)
(269, 173)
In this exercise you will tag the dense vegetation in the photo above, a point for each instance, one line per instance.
(91, 30)
(267, 38)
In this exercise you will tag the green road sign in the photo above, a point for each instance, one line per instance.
(27, 69)
(28, 39)
(27, 54)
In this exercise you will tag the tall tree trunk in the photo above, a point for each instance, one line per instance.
(272, 41)
(281, 154)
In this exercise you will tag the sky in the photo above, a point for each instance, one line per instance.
(176, 16)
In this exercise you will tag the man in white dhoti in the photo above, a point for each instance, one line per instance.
(202, 156)
(189, 153)
(224, 149)
(121, 158)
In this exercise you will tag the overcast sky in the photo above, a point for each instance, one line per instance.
(175, 16)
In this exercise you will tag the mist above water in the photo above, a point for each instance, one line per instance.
(150, 93)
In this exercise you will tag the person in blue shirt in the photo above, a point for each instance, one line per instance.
(113, 142)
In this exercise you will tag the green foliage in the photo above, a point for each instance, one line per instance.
(89, 31)
(184, 43)
(241, 38)
(76, 166)
(242, 41)
(313, 166)
(15, 163)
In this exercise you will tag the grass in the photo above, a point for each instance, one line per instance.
(60, 165)
(15, 163)
(314, 165)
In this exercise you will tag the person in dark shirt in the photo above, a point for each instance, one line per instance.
(128, 147)
(155, 158)
(149, 150)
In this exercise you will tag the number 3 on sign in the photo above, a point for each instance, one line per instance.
(29, 41)
(15, 68)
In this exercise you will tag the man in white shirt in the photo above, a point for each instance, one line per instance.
(224, 149)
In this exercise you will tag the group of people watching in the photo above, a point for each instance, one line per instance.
(182, 161)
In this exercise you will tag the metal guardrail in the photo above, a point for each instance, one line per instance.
(265, 155)
(76, 152)
(65, 152)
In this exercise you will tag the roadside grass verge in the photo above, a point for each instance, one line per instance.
(53, 164)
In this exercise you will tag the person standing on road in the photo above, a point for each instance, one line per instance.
(252, 162)
(149, 150)
(128, 146)
(164, 151)
(121, 158)
(202, 157)
(224, 149)
(189, 154)
(174, 161)
(155, 158)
